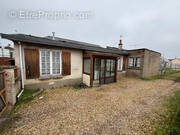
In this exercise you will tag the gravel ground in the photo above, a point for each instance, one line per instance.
(122, 108)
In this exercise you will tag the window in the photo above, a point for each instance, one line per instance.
(120, 64)
(45, 62)
(110, 67)
(56, 62)
(134, 62)
(138, 61)
(50, 62)
(131, 62)
(96, 68)
(86, 66)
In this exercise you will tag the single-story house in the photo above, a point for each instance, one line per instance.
(139, 62)
(143, 63)
(50, 61)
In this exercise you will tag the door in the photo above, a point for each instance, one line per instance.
(110, 71)
(107, 71)
(31, 63)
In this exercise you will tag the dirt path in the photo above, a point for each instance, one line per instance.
(121, 108)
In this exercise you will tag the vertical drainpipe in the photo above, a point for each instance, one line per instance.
(21, 69)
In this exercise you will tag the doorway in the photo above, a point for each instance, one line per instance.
(104, 70)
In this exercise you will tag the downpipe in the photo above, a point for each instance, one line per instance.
(21, 70)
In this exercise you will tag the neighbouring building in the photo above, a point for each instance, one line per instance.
(174, 63)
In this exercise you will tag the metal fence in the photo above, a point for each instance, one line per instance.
(3, 99)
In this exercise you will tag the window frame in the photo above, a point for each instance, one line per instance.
(51, 62)
(120, 63)
(134, 64)
(89, 66)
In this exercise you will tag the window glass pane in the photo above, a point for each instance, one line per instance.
(46, 62)
(43, 59)
(112, 67)
(108, 67)
(43, 71)
(102, 68)
(42, 53)
(56, 62)
(87, 66)
(130, 62)
(138, 61)
(119, 64)
(96, 68)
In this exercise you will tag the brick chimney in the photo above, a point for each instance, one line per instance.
(120, 45)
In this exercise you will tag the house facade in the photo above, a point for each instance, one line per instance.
(143, 63)
(49, 62)
(138, 63)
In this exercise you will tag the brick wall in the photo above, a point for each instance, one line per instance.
(4, 61)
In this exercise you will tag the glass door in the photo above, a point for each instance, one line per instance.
(96, 68)
(102, 70)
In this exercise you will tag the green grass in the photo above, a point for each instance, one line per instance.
(27, 96)
(168, 73)
(170, 123)
(174, 76)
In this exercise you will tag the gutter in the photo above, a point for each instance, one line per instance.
(21, 70)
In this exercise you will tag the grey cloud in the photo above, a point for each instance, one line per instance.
(152, 24)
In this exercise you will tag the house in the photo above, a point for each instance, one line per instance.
(174, 63)
(143, 63)
(139, 62)
(49, 62)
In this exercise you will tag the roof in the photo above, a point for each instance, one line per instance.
(144, 49)
(71, 41)
(114, 48)
(60, 43)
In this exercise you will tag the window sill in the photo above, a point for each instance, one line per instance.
(50, 77)
(134, 68)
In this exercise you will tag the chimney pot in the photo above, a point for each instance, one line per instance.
(120, 45)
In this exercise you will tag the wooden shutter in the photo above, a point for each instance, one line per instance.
(31, 63)
(66, 63)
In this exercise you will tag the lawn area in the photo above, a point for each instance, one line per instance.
(170, 123)
(169, 74)
(27, 96)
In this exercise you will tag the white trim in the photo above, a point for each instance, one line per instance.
(21, 65)
(51, 69)
(51, 66)
(120, 65)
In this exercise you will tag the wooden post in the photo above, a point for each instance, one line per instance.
(91, 70)
(116, 69)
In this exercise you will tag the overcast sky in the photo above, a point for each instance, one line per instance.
(153, 24)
